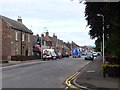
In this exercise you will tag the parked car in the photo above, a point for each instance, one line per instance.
(58, 55)
(54, 56)
(84, 53)
(89, 56)
(65, 54)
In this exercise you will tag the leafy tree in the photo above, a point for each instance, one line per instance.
(111, 14)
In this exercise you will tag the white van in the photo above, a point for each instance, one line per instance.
(49, 54)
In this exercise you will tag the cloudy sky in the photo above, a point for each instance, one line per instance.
(65, 18)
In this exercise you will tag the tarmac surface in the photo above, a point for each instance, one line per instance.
(91, 78)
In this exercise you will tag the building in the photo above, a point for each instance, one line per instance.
(49, 39)
(16, 38)
(57, 44)
(37, 42)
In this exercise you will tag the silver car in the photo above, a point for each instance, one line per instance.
(89, 56)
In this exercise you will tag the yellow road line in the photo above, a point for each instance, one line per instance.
(68, 81)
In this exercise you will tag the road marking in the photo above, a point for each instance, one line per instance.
(68, 81)
(91, 71)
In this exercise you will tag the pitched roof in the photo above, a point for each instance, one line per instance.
(16, 25)
(52, 39)
(35, 38)
(74, 45)
(60, 42)
(66, 47)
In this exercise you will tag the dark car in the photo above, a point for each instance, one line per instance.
(89, 56)
(58, 55)
(65, 55)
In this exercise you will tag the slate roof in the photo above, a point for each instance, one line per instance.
(54, 40)
(60, 42)
(35, 38)
(74, 45)
(66, 47)
(16, 25)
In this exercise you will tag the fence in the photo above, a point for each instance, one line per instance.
(24, 58)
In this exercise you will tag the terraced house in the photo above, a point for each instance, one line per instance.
(16, 38)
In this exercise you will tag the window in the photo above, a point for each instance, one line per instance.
(23, 37)
(16, 35)
(28, 37)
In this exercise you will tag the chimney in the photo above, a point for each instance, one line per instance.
(37, 35)
(47, 33)
(54, 36)
(42, 35)
(19, 19)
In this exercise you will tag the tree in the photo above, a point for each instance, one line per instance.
(111, 14)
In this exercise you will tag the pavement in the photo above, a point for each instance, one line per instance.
(22, 63)
(91, 78)
(15, 64)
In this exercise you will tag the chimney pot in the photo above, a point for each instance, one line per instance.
(19, 19)
(47, 33)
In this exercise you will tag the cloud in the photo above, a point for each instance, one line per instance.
(63, 17)
(14, 1)
(43, 8)
(81, 38)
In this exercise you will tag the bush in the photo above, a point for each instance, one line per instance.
(116, 53)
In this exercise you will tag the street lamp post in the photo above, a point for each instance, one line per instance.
(41, 46)
(103, 36)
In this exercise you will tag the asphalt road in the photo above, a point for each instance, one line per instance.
(48, 74)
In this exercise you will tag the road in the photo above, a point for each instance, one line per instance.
(48, 74)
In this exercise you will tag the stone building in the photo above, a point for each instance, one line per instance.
(16, 38)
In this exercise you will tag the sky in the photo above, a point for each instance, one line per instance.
(65, 18)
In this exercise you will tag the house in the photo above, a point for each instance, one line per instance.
(74, 45)
(16, 38)
(37, 42)
(71, 46)
(67, 48)
(50, 39)
(57, 44)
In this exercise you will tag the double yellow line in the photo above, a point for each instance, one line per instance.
(68, 81)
